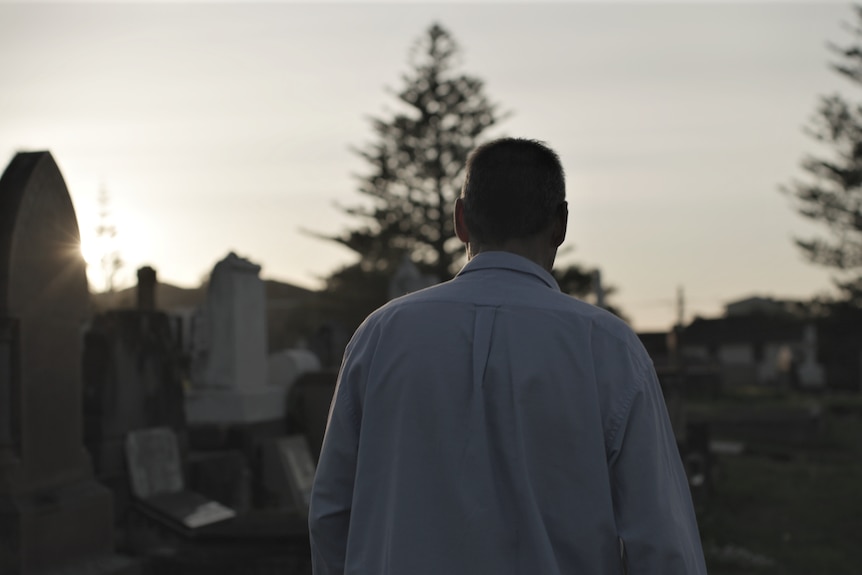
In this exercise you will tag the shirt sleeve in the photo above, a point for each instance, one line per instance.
(652, 501)
(332, 491)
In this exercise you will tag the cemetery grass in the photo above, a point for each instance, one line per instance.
(785, 510)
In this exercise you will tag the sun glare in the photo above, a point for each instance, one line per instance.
(98, 250)
(90, 252)
(113, 243)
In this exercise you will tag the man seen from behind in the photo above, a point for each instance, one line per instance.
(494, 425)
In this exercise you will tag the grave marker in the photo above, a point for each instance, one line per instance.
(155, 472)
(52, 513)
(229, 366)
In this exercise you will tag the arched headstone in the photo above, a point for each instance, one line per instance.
(52, 513)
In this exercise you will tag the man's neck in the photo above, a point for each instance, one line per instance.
(535, 251)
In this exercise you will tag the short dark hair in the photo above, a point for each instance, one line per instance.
(512, 189)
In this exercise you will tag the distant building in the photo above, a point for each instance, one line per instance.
(761, 341)
(755, 306)
(757, 349)
(698, 377)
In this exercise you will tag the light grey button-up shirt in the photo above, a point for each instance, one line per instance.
(494, 425)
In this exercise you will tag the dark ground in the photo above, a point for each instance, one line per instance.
(786, 508)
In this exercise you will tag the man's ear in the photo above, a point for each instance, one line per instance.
(461, 222)
(561, 223)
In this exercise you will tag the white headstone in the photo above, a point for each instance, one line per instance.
(234, 324)
(154, 462)
(811, 373)
(229, 367)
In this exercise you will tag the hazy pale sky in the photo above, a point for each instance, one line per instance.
(227, 126)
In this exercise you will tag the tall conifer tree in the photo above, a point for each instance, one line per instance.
(416, 165)
(831, 192)
(416, 162)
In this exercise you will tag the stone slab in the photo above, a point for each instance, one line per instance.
(205, 406)
(154, 462)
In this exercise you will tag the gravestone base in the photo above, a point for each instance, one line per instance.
(63, 530)
(223, 476)
(235, 406)
(107, 565)
(242, 437)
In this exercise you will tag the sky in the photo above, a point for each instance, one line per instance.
(218, 127)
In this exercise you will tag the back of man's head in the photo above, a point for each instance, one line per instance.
(512, 190)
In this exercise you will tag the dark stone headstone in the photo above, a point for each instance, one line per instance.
(308, 407)
(52, 513)
(146, 288)
(223, 476)
(132, 380)
(289, 472)
(328, 344)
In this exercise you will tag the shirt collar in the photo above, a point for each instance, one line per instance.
(509, 261)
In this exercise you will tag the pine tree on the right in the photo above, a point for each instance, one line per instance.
(830, 193)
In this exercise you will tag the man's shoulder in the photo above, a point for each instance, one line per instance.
(411, 302)
(598, 316)
(562, 306)
(609, 334)
(400, 304)
(602, 322)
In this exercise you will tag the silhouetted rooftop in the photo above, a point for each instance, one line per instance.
(744, 329)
